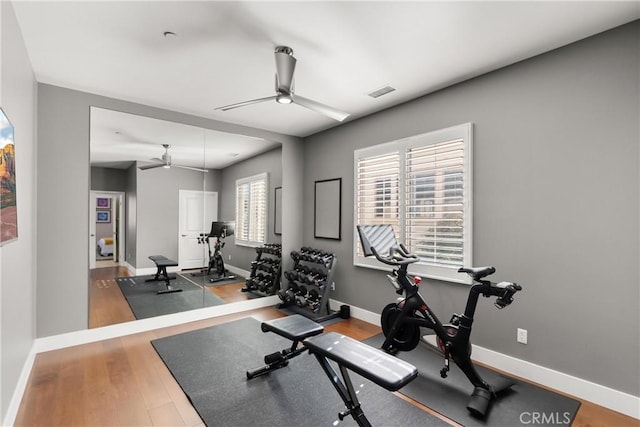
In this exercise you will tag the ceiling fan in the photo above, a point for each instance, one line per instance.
(285, 66)
(165, 162)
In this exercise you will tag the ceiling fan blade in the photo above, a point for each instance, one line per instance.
(157, 165)
(189, 167)
(242, 104)
(320, 108)
(285, 66)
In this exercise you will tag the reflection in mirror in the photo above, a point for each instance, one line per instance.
(165, 236)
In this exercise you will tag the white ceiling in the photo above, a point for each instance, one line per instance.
(223, 52)
(118, 139)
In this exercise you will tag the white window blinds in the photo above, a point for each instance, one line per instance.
(251, 210)
(422, 187)
(434, 208)
(378, 189)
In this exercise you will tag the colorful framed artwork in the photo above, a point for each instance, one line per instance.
(8, 198)
(103, 216)
(103, 202)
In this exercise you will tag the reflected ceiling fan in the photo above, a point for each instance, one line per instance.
(285, 66)
(165, 162)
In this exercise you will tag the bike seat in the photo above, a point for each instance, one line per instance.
(478, 273)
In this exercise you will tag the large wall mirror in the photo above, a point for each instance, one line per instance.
(165, 189)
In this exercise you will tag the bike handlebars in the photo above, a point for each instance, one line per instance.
(505, 292)
(398, 255)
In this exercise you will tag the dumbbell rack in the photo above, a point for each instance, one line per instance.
(264, 278)
(308, 284)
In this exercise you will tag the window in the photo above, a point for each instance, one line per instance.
(251, 210)
(422, 187)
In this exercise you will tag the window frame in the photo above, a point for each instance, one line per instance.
(401, 146)
(249, 180)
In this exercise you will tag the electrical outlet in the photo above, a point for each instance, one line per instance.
(522, 336)
(333, 286)
(229, 257)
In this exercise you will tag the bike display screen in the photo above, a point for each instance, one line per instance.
(379, 236)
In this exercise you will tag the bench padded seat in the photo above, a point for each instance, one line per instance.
(163, 261)
(383, 369)
(295, 327)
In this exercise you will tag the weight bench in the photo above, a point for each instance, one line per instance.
(162, 262)
(349, 354)
(296, 328)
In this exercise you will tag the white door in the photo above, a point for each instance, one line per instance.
(198, 209)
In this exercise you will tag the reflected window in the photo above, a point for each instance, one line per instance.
(251, 210)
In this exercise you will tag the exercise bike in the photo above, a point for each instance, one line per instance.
(219, 230)
(401, 321)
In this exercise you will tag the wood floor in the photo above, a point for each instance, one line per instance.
(123, 382)
(107, 305)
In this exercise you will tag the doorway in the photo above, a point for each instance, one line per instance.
(106, 229)
(198, 209)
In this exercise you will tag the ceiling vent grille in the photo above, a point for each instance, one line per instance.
(382, 91)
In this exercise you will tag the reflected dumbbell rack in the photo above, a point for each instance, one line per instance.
(266, 270)
(306, 286)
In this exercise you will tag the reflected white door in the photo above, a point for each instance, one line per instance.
(197, 210)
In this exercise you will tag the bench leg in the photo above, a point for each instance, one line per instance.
(346, 392)
(276, 360)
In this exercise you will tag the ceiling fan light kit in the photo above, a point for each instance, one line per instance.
(285, 67)
(165, 162)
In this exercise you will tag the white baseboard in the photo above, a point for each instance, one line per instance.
(601, 395)
(18, 392)
(106, 332)
(238, 271)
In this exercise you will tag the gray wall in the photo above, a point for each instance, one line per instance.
(131, 215)
(270, 162)
(18, 258)
(158, 205)
(63, 163)
(108, 179)
(556, 190)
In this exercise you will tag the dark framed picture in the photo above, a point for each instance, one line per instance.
(327, 217)
(103, 216)
(277, 226)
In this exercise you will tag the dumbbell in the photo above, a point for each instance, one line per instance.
(303, 269)
(300, 298)
(288, 295)
(313, 278)
(264, 283)
(291, 275)
(313, 299)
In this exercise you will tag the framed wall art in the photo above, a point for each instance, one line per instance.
(103, 203)
(103, 216)
(327, 217)
(8, 184)
(277, 226)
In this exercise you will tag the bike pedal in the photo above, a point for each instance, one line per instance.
(392, 351)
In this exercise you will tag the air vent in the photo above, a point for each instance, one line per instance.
(382, 91)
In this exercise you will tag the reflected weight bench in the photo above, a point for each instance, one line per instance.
(162, 262)
(375, 365)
